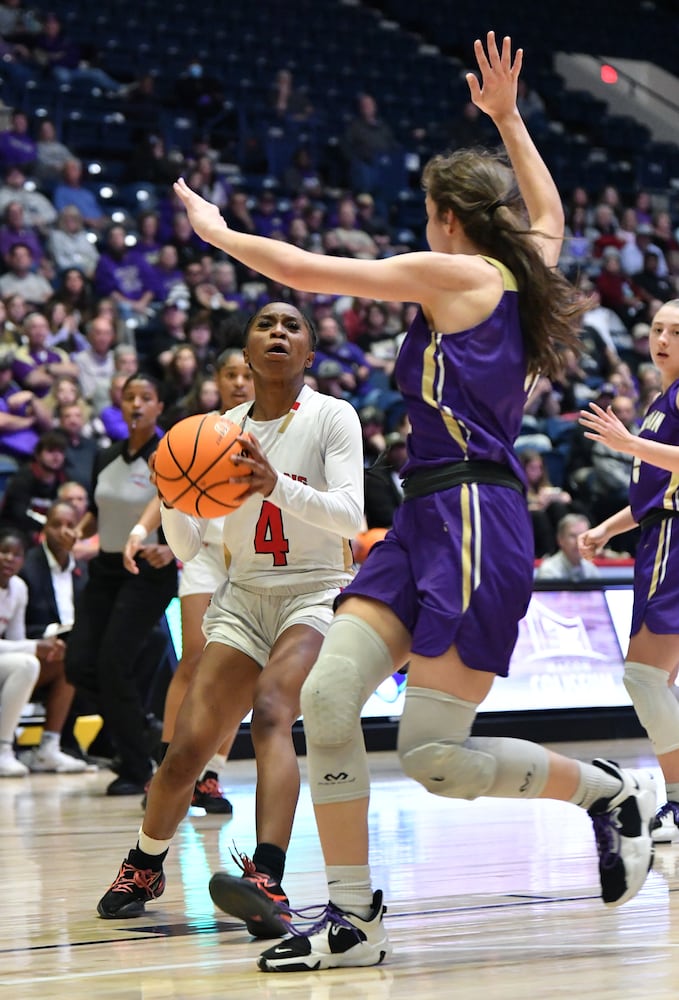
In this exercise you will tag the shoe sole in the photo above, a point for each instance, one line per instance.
(665, 837)
(644, 847)
(238, 898)
(134, 909)
(354, 958)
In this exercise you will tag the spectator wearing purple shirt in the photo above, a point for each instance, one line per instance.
(36, 366)
(129, 281)
(167, 276)
(13, 230)
(332, 346)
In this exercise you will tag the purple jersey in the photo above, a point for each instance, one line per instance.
(465, 392)
(652, 488)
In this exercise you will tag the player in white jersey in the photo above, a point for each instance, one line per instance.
(199, 579)
(289, 557)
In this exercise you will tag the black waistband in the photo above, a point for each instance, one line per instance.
(656, 516)
(422, 482)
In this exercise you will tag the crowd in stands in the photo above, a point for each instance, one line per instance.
(91, 292)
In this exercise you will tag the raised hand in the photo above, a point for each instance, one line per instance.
(205, 217)
(496, 94)
(603, 425)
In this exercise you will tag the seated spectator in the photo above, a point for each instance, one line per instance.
(70, 245)
(168, 278)
(20, 658)
(17, 148)
(33, 487)
(649, 381)
(181, 373)
(64, 332)
(14, 230)
(567, 564)
(287, 102)
(77, 295)
(39, 211)
(81, 449)
(112, 415)
(22, 279)
(167, 333)
(547, 503)
(219, 291)
(16, 311)
(365, 142)
(70, 192)
(633, 253)
(373, 430)
(332, 346)
(383, 484)
(348, 237)
(54, 579)
(62, 58)
(128, 281)
(37, 366)
(96, 363)
(23, 417)
(200, 337)
(269, 220)
(652, 288)
(77, 496)
(183, 238)
(52, 155)
(148, 240)
(208, 182)
(202, 398)
(125, 359)
(617, 290)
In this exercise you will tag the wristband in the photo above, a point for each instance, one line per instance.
(139, 531)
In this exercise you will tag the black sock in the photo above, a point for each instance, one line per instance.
(140, 859)
(270, 859)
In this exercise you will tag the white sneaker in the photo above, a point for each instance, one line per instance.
(665, 826)
(51, 758)
(10, 767)
(337, 940)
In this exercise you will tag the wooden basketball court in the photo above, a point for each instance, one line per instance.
(490, 899)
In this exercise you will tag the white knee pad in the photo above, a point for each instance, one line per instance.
(654, 704)
(435, 748)
(352, 663)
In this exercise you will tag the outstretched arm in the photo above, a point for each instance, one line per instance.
(496, 96)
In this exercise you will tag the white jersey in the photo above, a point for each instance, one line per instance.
(295, 540)
(13, 601)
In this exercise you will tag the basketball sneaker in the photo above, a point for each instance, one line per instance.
(10, 767)
(338, 939)
(255, 898)
(665, 825)
(51, 758)
(208, 794)
(622, 827)
(130, 891)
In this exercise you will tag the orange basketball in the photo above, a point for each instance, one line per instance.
(364, 541)
(193, 466)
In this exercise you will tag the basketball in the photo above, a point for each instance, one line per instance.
(193, 466)
(364, 541)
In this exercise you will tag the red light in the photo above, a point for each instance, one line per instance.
(609, 74)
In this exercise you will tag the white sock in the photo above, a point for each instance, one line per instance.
(216, 763)
(150, 846)
(49, 740)
(350, 888)
(594, 784)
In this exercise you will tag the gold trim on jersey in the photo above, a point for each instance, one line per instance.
(227, 557)
(347, 554)
(508, 279)
(661, 556)
(669, 500)
(433, 376)
(470, 545)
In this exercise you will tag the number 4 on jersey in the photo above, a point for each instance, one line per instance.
(269, 534)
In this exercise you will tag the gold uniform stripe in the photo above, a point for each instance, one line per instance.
(508, 279)
(662, 552)
(466, 553)
(669, 500)
(430, 362)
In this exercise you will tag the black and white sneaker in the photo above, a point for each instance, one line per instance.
(665, 826)
(622, 826)
(337, 939)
